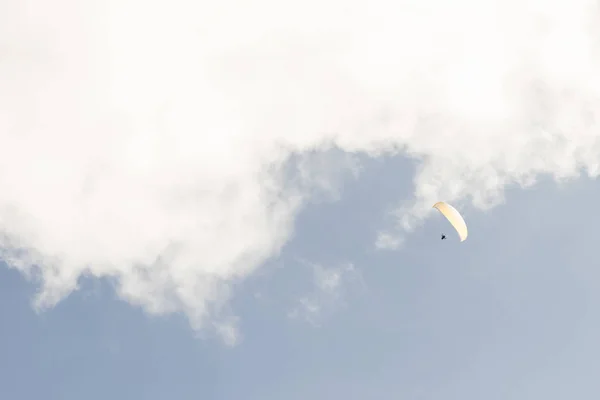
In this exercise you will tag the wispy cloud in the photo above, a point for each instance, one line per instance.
(330, 286)
(144, 140)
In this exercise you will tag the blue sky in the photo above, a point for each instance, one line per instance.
(507, 314)
(233, 199)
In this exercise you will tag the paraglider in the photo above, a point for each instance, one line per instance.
(455, 219)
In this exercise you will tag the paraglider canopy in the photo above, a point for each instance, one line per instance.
(454, 217)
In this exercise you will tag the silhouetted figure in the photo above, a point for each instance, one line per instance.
(443, 236)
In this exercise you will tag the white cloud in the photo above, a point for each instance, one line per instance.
(143, 140)
(330, 285)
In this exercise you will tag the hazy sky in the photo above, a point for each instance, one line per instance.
(233, 200)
